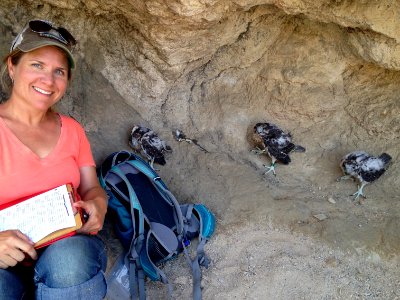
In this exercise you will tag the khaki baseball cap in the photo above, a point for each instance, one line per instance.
(40, 33)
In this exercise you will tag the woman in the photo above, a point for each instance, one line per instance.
(40, 150)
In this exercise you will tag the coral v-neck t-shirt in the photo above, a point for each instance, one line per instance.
(23, 173)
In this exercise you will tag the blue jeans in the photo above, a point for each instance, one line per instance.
(72, 268)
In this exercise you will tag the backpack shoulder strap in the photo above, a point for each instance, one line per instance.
(162, 188)
(199, 218)
(112, 160)
(114, 178)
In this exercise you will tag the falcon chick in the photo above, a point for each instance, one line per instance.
(276, 143)
(364, 167)
(145, 141)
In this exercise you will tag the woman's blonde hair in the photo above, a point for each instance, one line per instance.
(5, 79)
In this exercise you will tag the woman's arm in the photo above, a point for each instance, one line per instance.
(94, 201)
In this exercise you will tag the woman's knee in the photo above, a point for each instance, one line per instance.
(71, 261)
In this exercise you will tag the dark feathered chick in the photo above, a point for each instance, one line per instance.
(272, 140)
(145, 141)
(363, 167)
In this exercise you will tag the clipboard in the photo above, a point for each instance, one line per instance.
(62, 232)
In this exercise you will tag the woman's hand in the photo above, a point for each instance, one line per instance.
(14, 245)
(96, 210)
(94, 201)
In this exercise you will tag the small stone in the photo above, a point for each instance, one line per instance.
(331, 261)
(331, 200)
(320, 217)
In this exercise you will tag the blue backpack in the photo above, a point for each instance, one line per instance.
(149, 222)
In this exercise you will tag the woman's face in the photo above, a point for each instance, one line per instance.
(40, 77)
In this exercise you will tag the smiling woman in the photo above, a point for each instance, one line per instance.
(41, 150)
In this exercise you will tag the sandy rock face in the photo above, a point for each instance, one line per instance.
(328, 71)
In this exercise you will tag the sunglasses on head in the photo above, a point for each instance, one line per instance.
(46, 29)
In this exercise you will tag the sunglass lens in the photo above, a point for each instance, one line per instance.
(39, 26)
(66, 35)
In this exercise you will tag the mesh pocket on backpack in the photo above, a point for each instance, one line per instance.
(161, 243)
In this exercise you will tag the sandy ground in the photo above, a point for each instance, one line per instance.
(256, 262)
(262, 262)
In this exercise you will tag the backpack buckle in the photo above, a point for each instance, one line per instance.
(186, 242)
